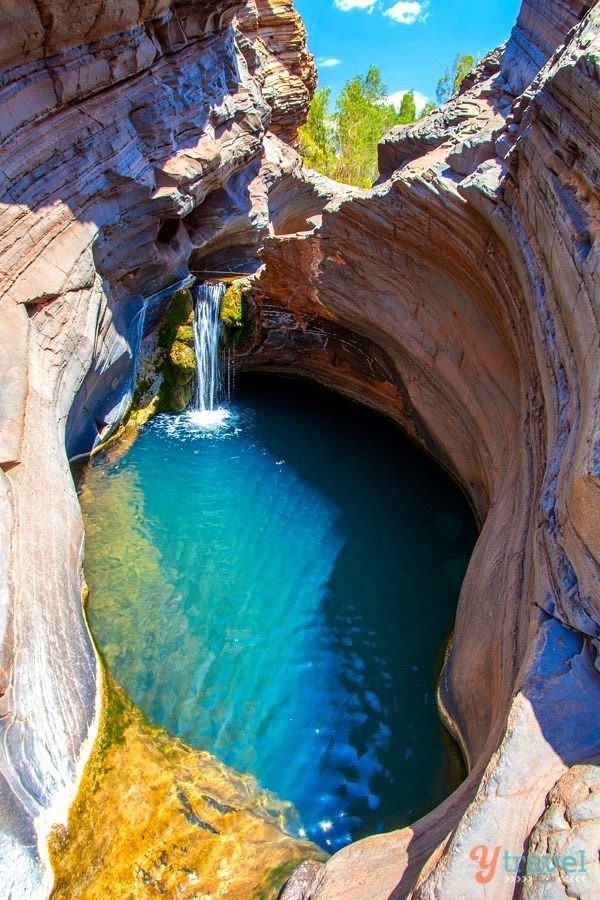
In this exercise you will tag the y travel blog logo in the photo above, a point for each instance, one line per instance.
(491, 861)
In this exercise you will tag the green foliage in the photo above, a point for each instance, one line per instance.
(408, 109)
(464, 64)
(343, 144)
(363, 116)
(429, 107)
(450, 82)
(316, 137)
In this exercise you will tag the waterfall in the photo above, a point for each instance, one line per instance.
(210, 385)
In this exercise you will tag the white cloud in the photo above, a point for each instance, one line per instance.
(406, 12)
(421, 100)
(346, 5)
(328, 62)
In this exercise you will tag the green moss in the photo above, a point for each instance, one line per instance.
(231, 305)
(182, 362)
(185, 334)
(236, 316)
(177, 397)
(176, 340)
(143, 414)
(140, 395)
(275, 880)
(180, 312)
(243, 335)
(116, 719)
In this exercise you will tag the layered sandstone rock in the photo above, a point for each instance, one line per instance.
(118, 121)
(459, 297)
(287, 75)
(540, 29)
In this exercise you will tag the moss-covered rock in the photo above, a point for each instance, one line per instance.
(178, 365)
(179, 396)
(232, 304)
(236, 316)
(180, 312)
(182, 363)
(185, 335)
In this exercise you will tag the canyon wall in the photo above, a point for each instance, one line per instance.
(461, 297)
(118, 122)
(145, 141)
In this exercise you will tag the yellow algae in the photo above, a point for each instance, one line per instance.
(155, 818)
(127, 433)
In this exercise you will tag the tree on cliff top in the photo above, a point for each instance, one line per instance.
(450, 82)
(408, 109)
(317, 136)
(363, 117)
(343, 144)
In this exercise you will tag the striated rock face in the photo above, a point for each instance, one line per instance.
(287, 74)
(134, 136)
(461, 297)
(145, 141)
(541, 28)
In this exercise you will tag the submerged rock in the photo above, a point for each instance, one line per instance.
(154, 817)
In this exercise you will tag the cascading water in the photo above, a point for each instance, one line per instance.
(207, 409)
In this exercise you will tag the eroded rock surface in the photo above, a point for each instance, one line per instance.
(568, 829)
(133, 136)
(460, 297)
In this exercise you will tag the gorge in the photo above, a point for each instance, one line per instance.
(145, 144)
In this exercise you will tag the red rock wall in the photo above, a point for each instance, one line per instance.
(468, 281)
(117, 122)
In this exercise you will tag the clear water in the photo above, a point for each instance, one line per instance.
(278, 589)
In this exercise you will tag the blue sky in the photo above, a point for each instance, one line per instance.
(411, 42)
